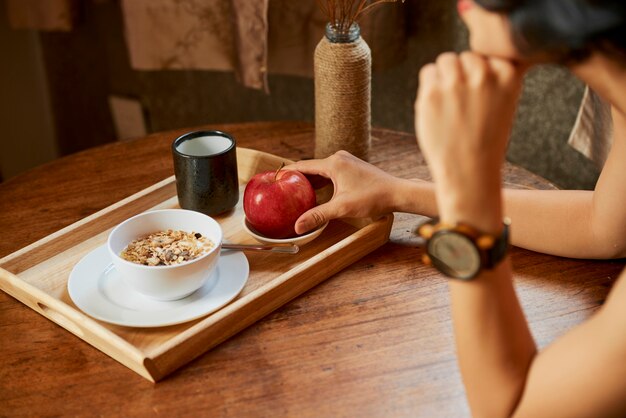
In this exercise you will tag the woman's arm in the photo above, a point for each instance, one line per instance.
(362, 190)
(568, 223)
(583, 373)
(464, 112)
(578, 224)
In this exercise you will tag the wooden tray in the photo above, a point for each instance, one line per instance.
(37, 276)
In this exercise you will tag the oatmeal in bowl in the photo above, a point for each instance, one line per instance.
(166, 254)
(167, 248)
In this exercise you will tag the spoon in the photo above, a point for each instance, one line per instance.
(276, 248)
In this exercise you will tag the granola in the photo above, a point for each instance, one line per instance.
(166, 248)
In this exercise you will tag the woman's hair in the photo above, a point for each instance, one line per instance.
(568, 29)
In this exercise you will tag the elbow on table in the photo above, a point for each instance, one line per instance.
(606, 238)
(618, 252)
(610, 249)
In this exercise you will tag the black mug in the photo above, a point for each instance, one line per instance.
(205, 166)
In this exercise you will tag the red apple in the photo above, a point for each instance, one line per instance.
(274, 200)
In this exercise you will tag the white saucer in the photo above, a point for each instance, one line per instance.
(98, 290)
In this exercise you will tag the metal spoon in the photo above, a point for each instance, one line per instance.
(276, 248)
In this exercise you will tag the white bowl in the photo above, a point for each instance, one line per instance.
(299, 240)
(165, 282)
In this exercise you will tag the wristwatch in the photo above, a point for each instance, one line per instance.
(460, 251)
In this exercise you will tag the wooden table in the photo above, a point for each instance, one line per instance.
(374, 340)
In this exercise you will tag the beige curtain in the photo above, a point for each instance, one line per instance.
(251, 37)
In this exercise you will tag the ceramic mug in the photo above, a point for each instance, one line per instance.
(205, 166)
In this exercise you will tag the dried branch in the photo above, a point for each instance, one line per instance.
(343, 13)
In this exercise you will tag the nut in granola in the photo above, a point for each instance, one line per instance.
(166, 248)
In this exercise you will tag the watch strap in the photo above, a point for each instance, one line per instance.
(492, 248)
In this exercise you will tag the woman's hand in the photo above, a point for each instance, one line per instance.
(360, 190)
(464, 113)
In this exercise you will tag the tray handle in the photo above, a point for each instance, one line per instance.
(60, 319)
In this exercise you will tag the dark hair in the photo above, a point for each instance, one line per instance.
(568, 29)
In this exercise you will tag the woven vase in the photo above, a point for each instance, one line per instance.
(343, 74)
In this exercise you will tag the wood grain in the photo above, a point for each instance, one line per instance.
(374, 340)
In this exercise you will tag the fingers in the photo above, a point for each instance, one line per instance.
(507, 74)
(323, 167)
(314, 218)
(318, 172)
(475, 67)
(468, 70)
(326, 168)
(314, 167)
(452, 69)
(449, 69)
(428, 80)
(479, 70)
(447, 72)
(428, 77)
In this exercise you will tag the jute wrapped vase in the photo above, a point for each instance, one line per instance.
(343, 74)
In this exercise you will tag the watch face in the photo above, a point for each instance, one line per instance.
(454, 254)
